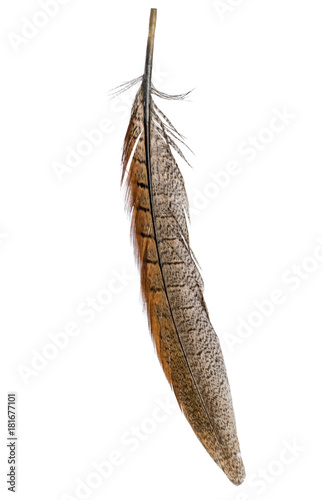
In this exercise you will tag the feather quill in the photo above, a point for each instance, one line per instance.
(172, 288)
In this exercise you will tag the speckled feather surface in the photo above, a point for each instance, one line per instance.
(172, 288)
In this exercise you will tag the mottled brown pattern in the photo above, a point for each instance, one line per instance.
(172, 288)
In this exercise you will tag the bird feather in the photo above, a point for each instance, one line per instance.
(172, 287)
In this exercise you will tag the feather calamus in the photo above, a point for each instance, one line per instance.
(172, 288)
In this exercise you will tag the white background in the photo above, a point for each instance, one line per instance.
(62, 241)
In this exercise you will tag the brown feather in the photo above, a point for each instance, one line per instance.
(172, 288)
